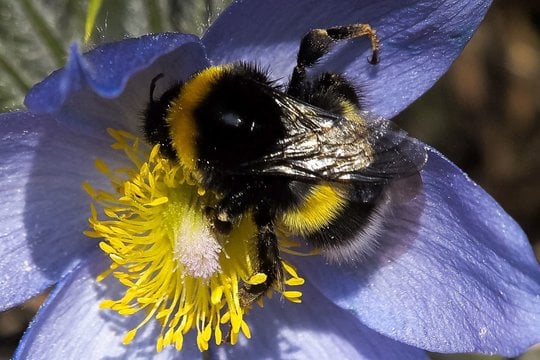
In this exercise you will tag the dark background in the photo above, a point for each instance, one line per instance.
(483, 115)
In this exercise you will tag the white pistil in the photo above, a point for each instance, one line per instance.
(196, 248)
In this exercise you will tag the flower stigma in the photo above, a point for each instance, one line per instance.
(163, 249)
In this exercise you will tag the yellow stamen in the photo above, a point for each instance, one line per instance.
(163, 249)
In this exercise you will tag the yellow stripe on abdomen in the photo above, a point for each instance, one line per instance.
(321, 205)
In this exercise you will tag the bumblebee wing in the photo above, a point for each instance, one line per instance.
(394, 153)
(323, 146)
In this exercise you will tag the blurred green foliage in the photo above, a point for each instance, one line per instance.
(34, 34)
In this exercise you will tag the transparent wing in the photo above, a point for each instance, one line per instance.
(324, 146)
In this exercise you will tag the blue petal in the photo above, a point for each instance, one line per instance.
(46, 158)
(44, 208)
(109, 86)
(453, 272)
(315, 329)
(420, 39)
(70, 325)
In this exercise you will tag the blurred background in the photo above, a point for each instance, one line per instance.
(484, 114)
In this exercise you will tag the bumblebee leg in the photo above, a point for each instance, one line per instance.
(222, 227)
(269, 264)
(229, 210)
(235, 203)
(318, 42)
(269, 261)
(354, 31)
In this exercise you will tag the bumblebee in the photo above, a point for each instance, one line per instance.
(303, 158)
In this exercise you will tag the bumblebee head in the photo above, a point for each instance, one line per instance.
(222, 118)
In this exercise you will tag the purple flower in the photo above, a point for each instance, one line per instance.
(453, 272)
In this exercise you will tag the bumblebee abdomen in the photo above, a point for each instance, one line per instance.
(337, 219)
(316, 208)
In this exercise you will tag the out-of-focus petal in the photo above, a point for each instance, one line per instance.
(420, 39)
(44, 208)
(71, 326)
(109, 86)
(453, 272)
(315, 329)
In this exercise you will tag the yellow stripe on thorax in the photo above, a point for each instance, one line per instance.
(181, 119)
(321, 205)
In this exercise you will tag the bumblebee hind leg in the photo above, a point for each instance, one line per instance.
(317, 42)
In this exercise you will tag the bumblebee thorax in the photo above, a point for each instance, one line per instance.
(223, 118)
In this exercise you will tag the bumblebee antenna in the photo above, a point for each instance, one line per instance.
(153, 85)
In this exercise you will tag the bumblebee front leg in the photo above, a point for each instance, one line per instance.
(316, 43)
(230, 209)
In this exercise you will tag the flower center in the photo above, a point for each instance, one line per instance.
(175, 268)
